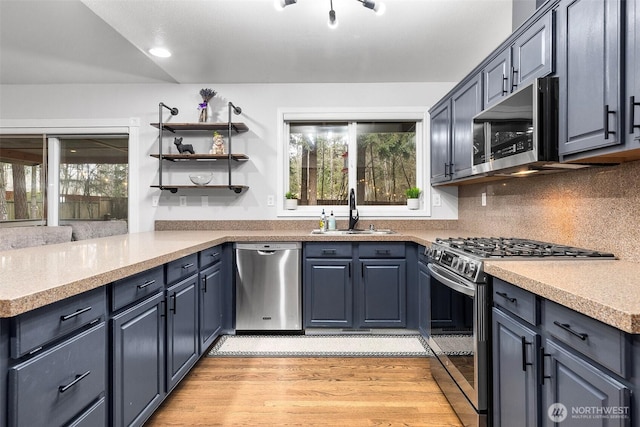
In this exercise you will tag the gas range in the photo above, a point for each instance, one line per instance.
(465, 256)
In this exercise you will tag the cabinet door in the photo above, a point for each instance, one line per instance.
(465, 104)
(182, 329)
(632, 126)
(589, 71)
(582, 389)
(496, 78)
(328, 293)
(440, 142)
(137, 343)
(210, 302)
(424, 297)
(447, 307)
(383, 293)
(515, 388)
(4, 362)
(531, 55)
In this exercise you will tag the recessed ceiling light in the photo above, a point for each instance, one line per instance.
(160, 52)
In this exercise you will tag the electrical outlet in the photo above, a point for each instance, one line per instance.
(483, 199)
(271, 201)
(155, 200)
(436, 200)
(183, 200)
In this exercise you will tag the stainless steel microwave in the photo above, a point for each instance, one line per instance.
(519, 133)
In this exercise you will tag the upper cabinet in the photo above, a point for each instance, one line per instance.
(528, 56)
(590, 68)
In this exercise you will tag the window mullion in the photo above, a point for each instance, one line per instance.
(53, 181)
(353, 153)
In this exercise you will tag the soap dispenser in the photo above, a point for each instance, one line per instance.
(323, 221)
(332, 221)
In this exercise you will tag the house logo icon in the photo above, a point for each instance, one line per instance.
(557, 412)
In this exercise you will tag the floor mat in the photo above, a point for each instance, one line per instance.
(320, 346)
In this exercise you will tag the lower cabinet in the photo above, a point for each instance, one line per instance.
(182, 329)
(328, 293)
(210, 306)
(383, 293)
(515, 388)
(4, 363)
(61, 384)
(138, 361)
(587, 394)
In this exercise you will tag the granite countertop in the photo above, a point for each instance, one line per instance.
(34, 277)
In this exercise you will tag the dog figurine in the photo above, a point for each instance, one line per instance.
(183, 148)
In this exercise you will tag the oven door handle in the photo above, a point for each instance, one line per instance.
(458, 285)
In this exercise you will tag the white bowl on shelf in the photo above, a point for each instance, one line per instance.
(200, 178)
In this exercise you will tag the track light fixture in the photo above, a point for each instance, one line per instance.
(375, 5)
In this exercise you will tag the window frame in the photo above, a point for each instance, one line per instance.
(352, 116)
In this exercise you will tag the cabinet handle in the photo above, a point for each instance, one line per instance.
(362, 269)
(507, 297)
(349, 270)
(632, 106)
(524, 354)
(383, 252)
(79, 378)
(147, 283)
(188, 266)
(204, 281)
(504, 85)
(328, 252)
(541, 370)
(446, 165)
(567, 327)
(607, 132)
(163, 309)
(74, 314)
(514, 85)
(215, 254)
(173, 310)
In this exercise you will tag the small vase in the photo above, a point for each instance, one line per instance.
(291, 204)
(206, 114)
(413, 204)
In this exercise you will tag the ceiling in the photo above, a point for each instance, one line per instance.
(245, 41)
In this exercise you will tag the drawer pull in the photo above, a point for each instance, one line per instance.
(507, 297)
(188, 266)
(215, 254)
(79, 378)
(328, 252)
(383, 252)
(76, 313)
(146, 284)
(524, 354)
(567, 327)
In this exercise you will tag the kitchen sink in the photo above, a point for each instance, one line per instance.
(380, 231)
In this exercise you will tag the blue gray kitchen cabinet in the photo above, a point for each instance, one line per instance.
(382, 287)
(4, 363)
(579, 386)
(515, 388)
(632, 123)
(182, 329)
(529, 56)
(60, 383)
(138, 361)
(440, 130)
(328, 285)
(210, 305)
(589, 67)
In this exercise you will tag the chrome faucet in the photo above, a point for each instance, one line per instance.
(353, 212)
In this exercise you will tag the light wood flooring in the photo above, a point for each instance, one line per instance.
(307, 392)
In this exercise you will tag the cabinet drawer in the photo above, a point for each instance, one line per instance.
(96, 416)
(382, 250)
(131, 289)
(183, 267)
(518, 301)
(604, 344)
(328, 250)
(210, 256)
(52, 388)
(36, 328)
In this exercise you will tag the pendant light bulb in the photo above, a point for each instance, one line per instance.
(333, 21)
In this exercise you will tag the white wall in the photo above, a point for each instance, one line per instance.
(259, 103)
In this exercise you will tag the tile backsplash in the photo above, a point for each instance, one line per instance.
(596, 208)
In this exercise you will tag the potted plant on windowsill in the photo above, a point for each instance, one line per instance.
(291, 200)
(413, 197)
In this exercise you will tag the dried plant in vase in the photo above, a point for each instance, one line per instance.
(206, 113)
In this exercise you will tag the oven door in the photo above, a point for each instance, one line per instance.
(458, 332)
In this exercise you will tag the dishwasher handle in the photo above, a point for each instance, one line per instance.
(263, 252)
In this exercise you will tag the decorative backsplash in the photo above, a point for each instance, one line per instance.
(596, 208)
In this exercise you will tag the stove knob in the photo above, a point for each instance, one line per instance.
(463, 266)
(467, 268)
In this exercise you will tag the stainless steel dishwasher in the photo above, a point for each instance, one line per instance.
(268, 286)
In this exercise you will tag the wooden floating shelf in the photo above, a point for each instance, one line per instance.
(224, 126)
(174, 188)
(201, 157)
